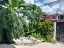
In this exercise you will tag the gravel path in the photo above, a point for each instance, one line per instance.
(40, 45)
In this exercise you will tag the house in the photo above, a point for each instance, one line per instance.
(53, 17)
(57, 24)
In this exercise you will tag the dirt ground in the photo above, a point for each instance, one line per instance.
(40, 45)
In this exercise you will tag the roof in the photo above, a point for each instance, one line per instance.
(53, 17)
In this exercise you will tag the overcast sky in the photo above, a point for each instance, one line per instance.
(49, 6)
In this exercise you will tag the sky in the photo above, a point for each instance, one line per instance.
(49, 6)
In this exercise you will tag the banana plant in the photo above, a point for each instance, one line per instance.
(9, 22)
(33, 13)
(14, 25)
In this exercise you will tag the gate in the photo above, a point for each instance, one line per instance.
(60, 31)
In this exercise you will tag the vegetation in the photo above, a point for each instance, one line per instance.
(13, 16)
(62, 16)
(45, 31)
(10, 26)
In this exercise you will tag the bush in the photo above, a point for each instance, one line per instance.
(37, 35)
(46, 30)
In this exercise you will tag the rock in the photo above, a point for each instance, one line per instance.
(18, 42)
(27, 41)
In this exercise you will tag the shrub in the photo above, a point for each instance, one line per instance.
(46, 30)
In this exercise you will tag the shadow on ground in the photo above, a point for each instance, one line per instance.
(7, 46)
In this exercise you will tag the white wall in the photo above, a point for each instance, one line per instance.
(54, 25)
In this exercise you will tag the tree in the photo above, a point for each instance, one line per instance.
(10, 26)
(46, 30)
(33, 14)
(14, 25)
(62, 16)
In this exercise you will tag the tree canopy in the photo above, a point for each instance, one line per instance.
(14, 15)
(12, 23)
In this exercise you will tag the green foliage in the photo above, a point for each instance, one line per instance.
(62, 17)
(46, 26)
(10, 26)
(33, 14)
(13, 25)
(36, 28)
(37, 35)
(4, 1)
(46, 30)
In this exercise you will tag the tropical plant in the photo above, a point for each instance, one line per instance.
(46, 30)
(13, 16)
(12, 24)
(33, 14)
